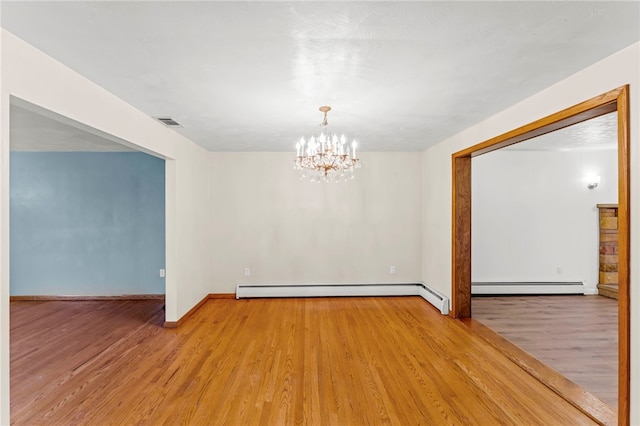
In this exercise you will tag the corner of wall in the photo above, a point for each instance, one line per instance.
(4, 242)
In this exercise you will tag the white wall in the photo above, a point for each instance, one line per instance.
(291, 231)
(534, 219)
(617, 70)
(30, 75)
(4, 243)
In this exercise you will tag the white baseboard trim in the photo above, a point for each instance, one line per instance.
(506, 288)
(344, 290)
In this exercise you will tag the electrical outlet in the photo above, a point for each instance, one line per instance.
(247, 272)
(163, 273)
(392, 269)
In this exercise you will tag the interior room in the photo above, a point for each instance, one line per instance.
(88, 213)
(537, 219)
(281, 297)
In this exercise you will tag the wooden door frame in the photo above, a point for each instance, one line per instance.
(614, 100)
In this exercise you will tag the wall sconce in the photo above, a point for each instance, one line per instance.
(592, 181)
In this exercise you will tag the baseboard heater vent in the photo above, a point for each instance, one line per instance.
(336, 290)
(434, 297)
(506, 288)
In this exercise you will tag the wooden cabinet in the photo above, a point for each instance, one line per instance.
(608, 230)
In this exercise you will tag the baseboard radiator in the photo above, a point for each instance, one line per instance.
(432, 296)
(506, 288)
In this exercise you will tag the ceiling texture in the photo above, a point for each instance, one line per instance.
(250, 76)
(597, 134)
(31, 131)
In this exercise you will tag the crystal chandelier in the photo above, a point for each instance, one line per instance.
(326, 157)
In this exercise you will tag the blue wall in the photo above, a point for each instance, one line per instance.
(86, 223)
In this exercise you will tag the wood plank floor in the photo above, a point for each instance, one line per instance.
(338, 361)
(575, 335)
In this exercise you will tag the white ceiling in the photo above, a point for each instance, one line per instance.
(30, 131)
(597, 134)
(250, 76)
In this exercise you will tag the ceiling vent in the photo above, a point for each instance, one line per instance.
(168, 121)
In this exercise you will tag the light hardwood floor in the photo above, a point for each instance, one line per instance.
(575, 335)
(342, 361)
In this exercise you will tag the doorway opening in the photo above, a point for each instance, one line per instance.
(616, 100)
(88, 213)
(87, 235)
